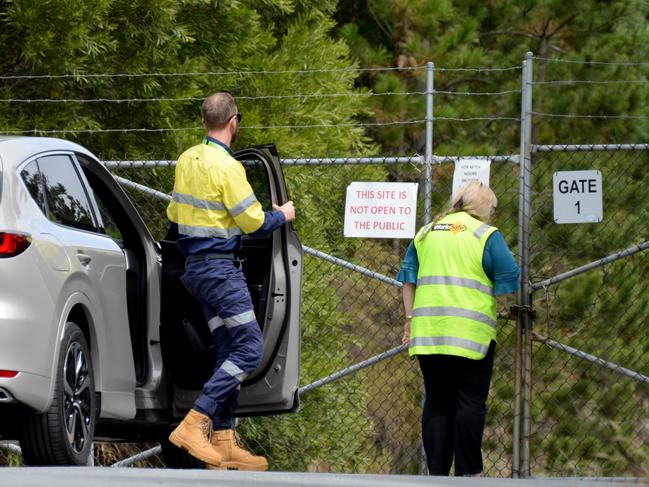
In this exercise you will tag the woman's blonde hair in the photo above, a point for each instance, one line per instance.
(475, 198)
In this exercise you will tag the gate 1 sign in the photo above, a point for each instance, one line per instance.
(381, 210)
(577, 196)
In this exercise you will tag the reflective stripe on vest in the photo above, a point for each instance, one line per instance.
(187, 199)
(239, 208)
(481, 230)
(455, 281)
(449, 342)
(454, 311)
(194, 231)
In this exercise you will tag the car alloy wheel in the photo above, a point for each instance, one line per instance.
(63, 434)
(77, 403)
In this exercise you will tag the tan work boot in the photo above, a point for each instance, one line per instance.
(194, 434)
(233, 457)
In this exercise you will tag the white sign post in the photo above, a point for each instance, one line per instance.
(381, 210)
(470, 169)
(577, 196)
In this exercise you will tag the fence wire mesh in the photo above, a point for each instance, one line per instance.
(588, 420)
(368, 421)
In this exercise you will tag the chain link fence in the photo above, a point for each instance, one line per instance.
(361, 395)
(590, 401)
(569, 394)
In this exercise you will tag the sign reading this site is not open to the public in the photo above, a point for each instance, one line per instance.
(577, 196)
(381, 210)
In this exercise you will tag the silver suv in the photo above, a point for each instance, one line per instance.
(98, 337)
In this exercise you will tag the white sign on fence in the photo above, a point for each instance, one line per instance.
(577, 196)
(381, 210)
(470, 169)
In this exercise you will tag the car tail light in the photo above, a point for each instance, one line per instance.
(8, 374)
(12, 244)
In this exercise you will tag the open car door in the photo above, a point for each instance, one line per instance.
(273, 270)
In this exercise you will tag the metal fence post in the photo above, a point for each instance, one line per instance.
(521, 459)
(428, 193)
(428, 176)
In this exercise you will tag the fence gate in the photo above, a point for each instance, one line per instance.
(589, 404)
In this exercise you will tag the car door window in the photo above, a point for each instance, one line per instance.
(257, 176)
(67, 201)
(32, 179)
(110, 227)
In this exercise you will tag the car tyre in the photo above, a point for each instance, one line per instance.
(63, 434)
(175, 457)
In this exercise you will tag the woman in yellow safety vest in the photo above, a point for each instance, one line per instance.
(451, 274)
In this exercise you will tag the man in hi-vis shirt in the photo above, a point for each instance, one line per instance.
(212, 206)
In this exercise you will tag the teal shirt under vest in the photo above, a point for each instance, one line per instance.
(497, 261)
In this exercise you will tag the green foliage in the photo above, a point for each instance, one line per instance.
(10, 459)
(320, 432)
(155, 39)
(585, 422)
(471, 34)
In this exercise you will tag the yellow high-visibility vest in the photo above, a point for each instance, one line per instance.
(454, 312)
(211, 195)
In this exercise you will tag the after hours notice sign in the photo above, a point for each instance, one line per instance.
(577, 196)
(381, 210)
(470, 169)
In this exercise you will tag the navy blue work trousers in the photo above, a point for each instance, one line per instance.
(220, 286)
(454, 411)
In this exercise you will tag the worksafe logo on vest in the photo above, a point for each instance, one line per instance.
(454, 228)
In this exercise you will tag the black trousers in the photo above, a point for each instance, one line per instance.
(454, 411)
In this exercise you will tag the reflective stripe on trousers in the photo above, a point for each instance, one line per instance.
(221, 288)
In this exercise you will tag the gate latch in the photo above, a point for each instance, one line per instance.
(516, 310)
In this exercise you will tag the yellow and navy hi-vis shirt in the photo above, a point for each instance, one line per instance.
(212, 202)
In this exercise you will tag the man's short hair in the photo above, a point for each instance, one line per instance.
(217, 110)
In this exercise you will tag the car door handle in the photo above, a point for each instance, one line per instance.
(83, 258)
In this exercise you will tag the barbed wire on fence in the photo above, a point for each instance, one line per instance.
(599, 63)
(257, 97)
(564, 82)
(258, 72)
(261, 127)
(477, 70)
(211, 73)
(570, 115)
(475, 119)
(200, 99)
(184, 129)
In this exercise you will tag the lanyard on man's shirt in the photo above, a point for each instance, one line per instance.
(218, 145)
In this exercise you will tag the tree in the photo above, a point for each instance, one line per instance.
(497, 34)
(145, 48)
